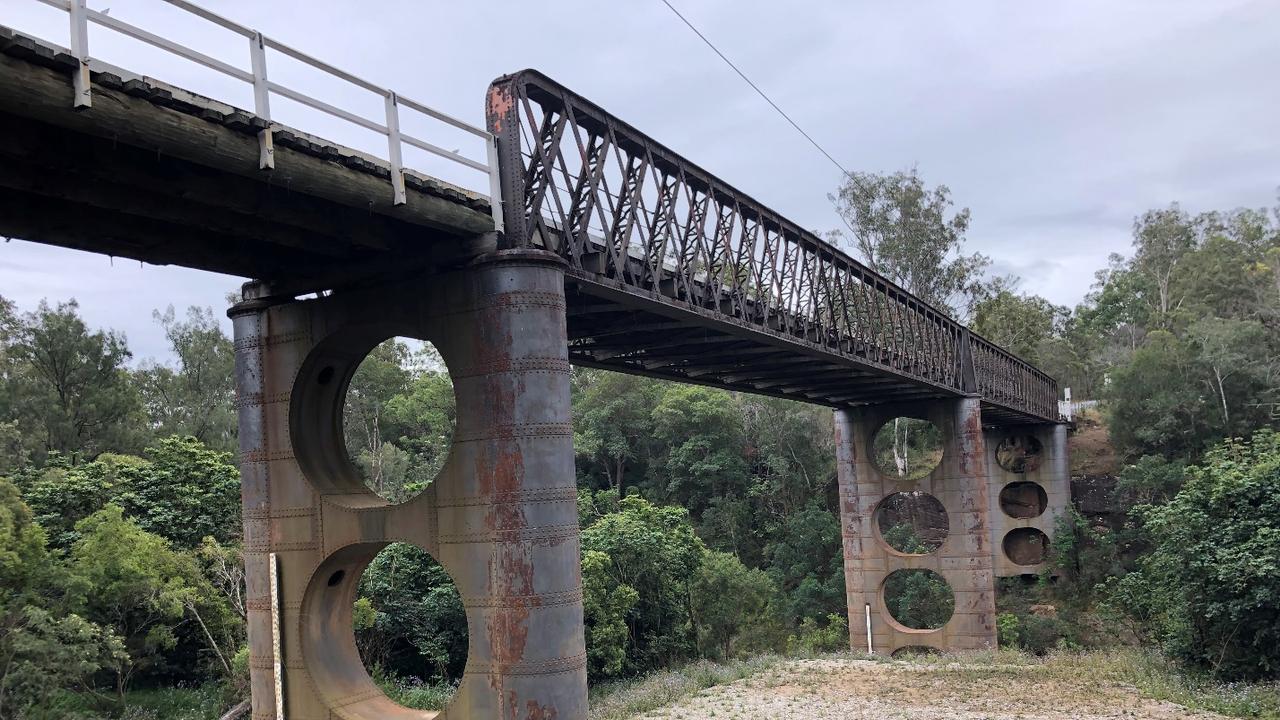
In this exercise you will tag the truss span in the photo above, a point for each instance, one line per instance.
(766, 306)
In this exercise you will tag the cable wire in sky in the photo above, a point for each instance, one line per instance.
(757, 88)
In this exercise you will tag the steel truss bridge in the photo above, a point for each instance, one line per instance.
(587, 242)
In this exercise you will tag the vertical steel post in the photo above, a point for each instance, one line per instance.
(497, 206)
(393, 149)
(262, 100)
(79, 13)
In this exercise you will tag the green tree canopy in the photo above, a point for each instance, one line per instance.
(908, 232)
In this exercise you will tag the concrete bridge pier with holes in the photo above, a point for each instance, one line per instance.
(501, 517)
(992, 501)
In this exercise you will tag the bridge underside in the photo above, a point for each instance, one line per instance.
(614, 328)
(155, 174)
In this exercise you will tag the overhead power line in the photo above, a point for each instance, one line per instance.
(755, 87)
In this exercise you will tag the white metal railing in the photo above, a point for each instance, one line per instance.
(389, 125)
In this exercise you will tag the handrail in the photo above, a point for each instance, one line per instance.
(81, 16)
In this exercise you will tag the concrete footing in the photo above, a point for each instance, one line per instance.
(501, 517)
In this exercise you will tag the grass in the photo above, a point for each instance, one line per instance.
(1148, 672)
(620, 699)
(206, 702)
(413, 693)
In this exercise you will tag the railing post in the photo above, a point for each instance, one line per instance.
(393, 149)
(79, 13)
(495, 186)
(262, 101)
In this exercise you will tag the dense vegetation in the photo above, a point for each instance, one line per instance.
(709, 518)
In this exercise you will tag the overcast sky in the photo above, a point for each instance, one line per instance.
(1055, 123)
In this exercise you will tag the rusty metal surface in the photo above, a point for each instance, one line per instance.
(1026, 493)
(501, 517)
(965, 556)
(629, 214)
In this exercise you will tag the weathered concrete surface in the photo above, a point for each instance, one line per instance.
(965, 557)
(501, 517)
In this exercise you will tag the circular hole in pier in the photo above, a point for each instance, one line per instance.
(906, 448)
(398, 418)
(913, 522)
(919, 599)
(1026, 546)
(410, 627)
(1019, 453)
(1023, 499)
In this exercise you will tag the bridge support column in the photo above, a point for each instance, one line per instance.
(964, 559)
(501, 517)
(1029, 488)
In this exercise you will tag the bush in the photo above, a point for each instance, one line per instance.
(1007, 634)
(814, 638)
(1209, 591)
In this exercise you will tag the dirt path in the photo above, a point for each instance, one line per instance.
(858, 689)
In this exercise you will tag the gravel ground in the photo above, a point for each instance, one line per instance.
(857, 689)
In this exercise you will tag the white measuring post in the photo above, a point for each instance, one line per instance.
(79, 12)
(277, 667)
(393, 150)
(869, 650)
(262, 101)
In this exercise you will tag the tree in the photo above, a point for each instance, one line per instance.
(133, 582)
(654, 550)
(700, 431)
(195, 398)
(184, 493)
(62, 494)
(73, 389)
(605, 604)
(729, 600)
(613, 425)
(908, 232)
(1161, 239)
(1022, 324)
(1238, 364)
(806, 563)
(181, 490)
(382, 375)
(919, 599)
(1210, 588)
(421, 420)
(42, 647)
(415, 623)
(1156, 409)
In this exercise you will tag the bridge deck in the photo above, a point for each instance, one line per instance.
(673, 275)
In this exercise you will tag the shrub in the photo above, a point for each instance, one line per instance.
(1209, 591)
